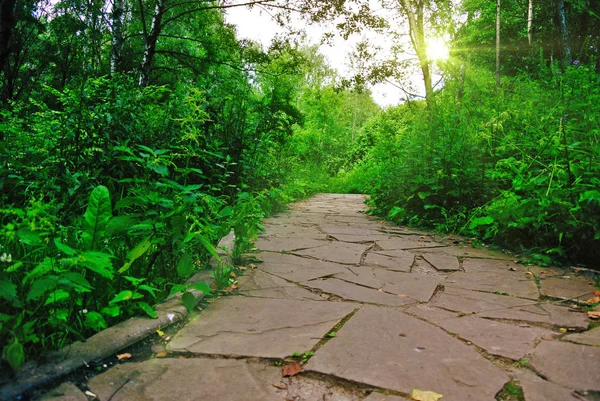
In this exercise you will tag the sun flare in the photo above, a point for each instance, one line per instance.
(437, 49)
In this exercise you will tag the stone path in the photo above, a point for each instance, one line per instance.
(375, 312)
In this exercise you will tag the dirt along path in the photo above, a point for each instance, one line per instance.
(373, 312)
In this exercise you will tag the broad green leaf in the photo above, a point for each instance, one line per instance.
(29, 237)
(46, 266)
(77, 281)
(481, 221)
(120, 224)
(14, 354)
(14, 267)
(149, 289)
(148, 309)
(189, 301)
(57, 296)
(95, 321)
(41, 287)
(97, 262)
(111, 310)
(67, 250)
(159, 169)
(96, 217)
(8, 290)
(185, 267)
(202, 286)
(226, 212)
(136, 252)
(122, 296)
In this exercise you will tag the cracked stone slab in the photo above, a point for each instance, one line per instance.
(407, 242)
(339, 229)
(509, 308)
(417, 287)
(188, 380)
(508, 282)
(571, 365)
(383, 397)
(497, 266)
(537, 389)
(590, 337)
(352, 292)
(496, 338)
(393, 260)
(442, 262)
(338, 252)
(296, 268)
(293, 231)
(388, 349)
(288, 244)
(263, 285)
(260, 327)
(65, 392)
(468, 252)
(357, 239)
(576, 288)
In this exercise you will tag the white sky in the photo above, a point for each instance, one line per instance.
(259, 26)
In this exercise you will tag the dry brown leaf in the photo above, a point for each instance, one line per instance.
(594, 314)
(325, 296)
(232, 274)
(291, 370)
(252, 266)
(281, 386)
(594, 300)
(161, 354)
(597, 293)
(242, 268)
(420, 395)
(512, 269)
(123, 356)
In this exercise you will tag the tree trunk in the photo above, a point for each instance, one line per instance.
(530, 23)
(150, 43)
(564, 31)
(7, 23)
(413, 10)
(498, 43)
(117, 36)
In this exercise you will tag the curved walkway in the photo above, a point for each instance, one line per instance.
(349, 309)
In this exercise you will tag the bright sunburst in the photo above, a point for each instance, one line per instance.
(437, 49)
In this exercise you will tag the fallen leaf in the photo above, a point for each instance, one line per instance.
(576, 270)
(281, 386)
(562, 330)
(252, 266)
(160, 333)
(594, 300)
(325, 296)
(529, 274)
(420, 395)
(291, 370)
(597, 293)
(547, 338)
(242, 268)
(594, 314)
(123, 356)
(232, 274)
(512, 269)
(161, 355)
(90, 394)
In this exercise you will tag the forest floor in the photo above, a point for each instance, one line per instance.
(345, 308)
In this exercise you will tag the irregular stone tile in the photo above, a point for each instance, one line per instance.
(261, 327)
(288, 244)
(295, 268)
(383, 397)
(495, 266)
(338, 252)
(590, 337)
(352, 292)
(545, 313)
(352, 219)
(394, 260)
(496, 338)
(293, 231)
(263, 285)
(575, 288)
(65, 392)
(348, 230)
(571, 365)
(442, 262)
(188, 380)
(391, 350)
(465, 251)
(509, 308)
(406, 242)
(508, 282)
(357, 238)
(417, 287)
(537, 389)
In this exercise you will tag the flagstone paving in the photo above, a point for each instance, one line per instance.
(374, 312)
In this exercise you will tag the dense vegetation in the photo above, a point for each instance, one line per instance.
(135, 134)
